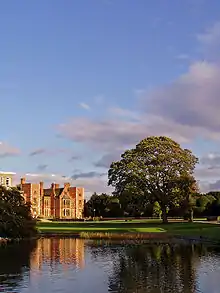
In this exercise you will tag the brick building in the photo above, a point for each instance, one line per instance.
(55, 202)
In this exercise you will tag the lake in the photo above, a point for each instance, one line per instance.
(68, 265)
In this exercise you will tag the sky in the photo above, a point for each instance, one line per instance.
(81, 81)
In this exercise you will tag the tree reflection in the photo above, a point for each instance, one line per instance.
(155, 268)
(152, 268)
(14, 263)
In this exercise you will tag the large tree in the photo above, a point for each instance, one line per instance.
(155, 166)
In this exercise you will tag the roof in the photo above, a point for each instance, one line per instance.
(7, 173)
(48, 191)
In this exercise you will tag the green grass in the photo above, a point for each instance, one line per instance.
(211, 231)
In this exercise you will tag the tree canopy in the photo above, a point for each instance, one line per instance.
(157, 166)
(15, 216)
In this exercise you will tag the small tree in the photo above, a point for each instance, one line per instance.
(188, 188)
(157, 210)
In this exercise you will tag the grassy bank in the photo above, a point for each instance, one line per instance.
(136, 228)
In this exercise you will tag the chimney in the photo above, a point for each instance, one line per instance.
(57, 186)
(52, 186)
(41, 188)
(22, 181)
(67, 184)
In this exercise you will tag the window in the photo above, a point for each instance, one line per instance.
(66, 202)
(8, 181)
(46, 213)
(46, 203)
(66, 212)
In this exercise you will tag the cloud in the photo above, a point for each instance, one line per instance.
(192, 100)
(117, 134)
(74, 158)
(7, 150)
(106, 160)
(52, 152)
(91, 184)
(211, 36)
(139, 92)
(215, 186)
(84, 106)
(209, 167)
(99, 99)
(47, 178)
(124, 113)
(42, 167)
(96, 184)
(91, 174)
(209, 42)
(185, 109)
(211, 159)
(183, 57)
(37, 152)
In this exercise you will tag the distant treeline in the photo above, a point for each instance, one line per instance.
(138, 205)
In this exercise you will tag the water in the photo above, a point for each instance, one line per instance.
(68, 265)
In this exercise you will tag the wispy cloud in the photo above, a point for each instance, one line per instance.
(7, 150)
(89, 181)
(84, 106)
(91, 174)
(37, 152)
(211, 35)
(74, 158)
(48, 151)
(42, 167)
(106, 160)
(182, 57)
(124, 113)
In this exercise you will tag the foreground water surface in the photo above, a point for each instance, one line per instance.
(67, 265)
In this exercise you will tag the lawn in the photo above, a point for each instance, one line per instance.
(207, 230)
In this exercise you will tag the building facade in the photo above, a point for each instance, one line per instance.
(55, 202)
(6, 178)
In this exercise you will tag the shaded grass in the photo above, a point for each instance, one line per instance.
(204, 230)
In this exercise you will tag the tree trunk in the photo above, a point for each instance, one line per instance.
(164, 214)
(191, 215)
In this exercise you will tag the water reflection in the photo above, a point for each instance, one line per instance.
(158, 268)
(63, 251)
(14, 264)
(74, 265)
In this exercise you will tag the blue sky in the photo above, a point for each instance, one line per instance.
(86, 79)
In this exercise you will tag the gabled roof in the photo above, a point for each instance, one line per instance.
(48, 191)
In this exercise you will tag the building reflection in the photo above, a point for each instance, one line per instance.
(63, 251)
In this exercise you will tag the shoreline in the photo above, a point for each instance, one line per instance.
(150, 237)
(157, 237)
